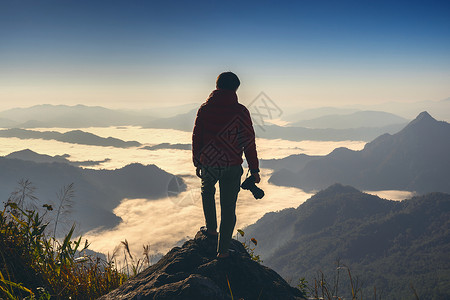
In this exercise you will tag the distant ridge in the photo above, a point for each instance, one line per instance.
(73, 136)
(414, 159)
(354, 120)
(324, 134)
(29, 155)
(77, 116)
(6, 123)
(291, 163)
(184, 121)
(168, 146)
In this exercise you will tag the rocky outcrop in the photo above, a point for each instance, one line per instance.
(193, 272)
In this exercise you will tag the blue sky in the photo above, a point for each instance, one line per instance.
(141, 54)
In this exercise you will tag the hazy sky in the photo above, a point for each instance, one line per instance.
(127, 53)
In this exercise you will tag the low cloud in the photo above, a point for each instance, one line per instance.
(392, 194)
(164, 223)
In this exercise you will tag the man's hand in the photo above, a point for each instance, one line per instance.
(257, 177)
(198, 172)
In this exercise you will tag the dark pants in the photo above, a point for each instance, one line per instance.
(229, 182)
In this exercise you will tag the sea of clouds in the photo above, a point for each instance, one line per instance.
(166, 222)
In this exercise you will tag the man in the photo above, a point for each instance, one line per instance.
(223, 131)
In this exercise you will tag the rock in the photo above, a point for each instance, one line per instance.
(193, 272)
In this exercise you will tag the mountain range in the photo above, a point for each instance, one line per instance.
(97, 192)
(361, 131)
(440, 109)
(414, 159)
(183, 121)
(29, 155)
(73, 136)
(353, 120)
(388, 245)
(82, 116)
(291, 163)
(78, 116)
(168, 146)
(182, 118)
(323, 134)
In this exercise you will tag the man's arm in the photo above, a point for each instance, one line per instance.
(197, 140)
(250, 152)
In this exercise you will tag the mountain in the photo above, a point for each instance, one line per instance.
(193, 272)
(354, 120)
(386, 244)
(29, 155)
(6, 123)
(184, 121)
(292, 163)
(170, 111)
(168, 146)
(78, 116)
(73, 136)
(414, 159)
(439, 109)
(314, 113)
(321, 134)
(97, 192)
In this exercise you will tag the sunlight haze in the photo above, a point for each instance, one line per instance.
(141, 54)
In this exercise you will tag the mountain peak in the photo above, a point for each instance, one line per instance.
(424, 122)
(424, 116)
(338, 188)
(30, 155)
(193, 272)
(25, 153)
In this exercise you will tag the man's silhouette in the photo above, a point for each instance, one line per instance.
(223, 131)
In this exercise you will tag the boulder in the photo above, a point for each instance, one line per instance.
(193, 272)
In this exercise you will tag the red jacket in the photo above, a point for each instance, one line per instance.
(223, 131)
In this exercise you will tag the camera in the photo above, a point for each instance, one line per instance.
(249, 184)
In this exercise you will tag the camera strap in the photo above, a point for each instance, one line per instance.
(246, 176)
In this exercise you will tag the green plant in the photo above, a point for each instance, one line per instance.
(7, 288)
(65, 204)
(36, 265)
(248, 246)
(302, 285)
(136, 265)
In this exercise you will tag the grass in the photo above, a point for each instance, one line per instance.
(36, 265)
(339, 288)
(334, 289)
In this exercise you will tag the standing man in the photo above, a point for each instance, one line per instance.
(223, 131)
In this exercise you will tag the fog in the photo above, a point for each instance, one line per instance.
(392, 194)
(166, 222)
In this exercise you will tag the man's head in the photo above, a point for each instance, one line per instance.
(227, 81)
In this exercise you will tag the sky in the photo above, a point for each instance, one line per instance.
(142, 54)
